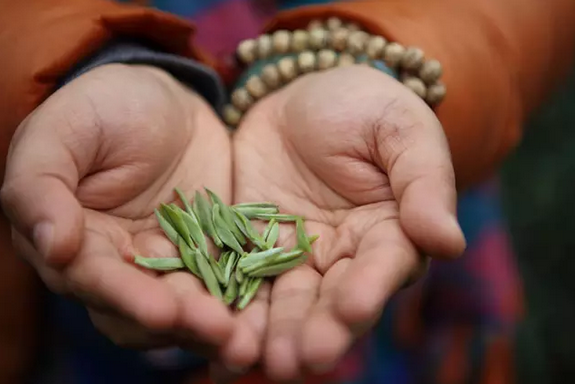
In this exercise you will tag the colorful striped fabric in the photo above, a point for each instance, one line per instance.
(454, 327)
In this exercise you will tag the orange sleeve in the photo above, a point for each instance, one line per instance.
(41, 40)
(500, 59)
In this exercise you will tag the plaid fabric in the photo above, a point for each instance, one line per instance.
(454, 327)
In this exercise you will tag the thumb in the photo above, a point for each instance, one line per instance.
(38, 192)
(422, 178)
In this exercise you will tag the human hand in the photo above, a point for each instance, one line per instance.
(366, 162)
(86, 170)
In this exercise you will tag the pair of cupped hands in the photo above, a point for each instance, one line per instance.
(362, 158)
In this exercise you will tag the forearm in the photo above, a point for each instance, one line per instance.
(499, 59)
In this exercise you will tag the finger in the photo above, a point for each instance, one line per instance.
(293, 295)
(99, 277)
(202, 317)
(418, 162)
(38, 190)
(325, 337)
(384, 262)
(245, 347)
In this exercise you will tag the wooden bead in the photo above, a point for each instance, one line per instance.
(265, 46)
(271, 76)
(375, 47)
(315, 24)
(430, 71)
(345, 59)
(299, 41)
(339, 39)
(393, 54)
(306, 61)
(241, 99)
(246, 51)
(232, 115)
(356, 42)
(256, 87)
(326, 58)
(334, 23)
(281, 41)
(416, 85)
(435, 93)
(352, 27)
(287, 68)
(318, 39)
(413, 59)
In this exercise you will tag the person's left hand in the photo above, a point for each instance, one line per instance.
(366, 162)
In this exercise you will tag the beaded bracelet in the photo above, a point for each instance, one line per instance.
(276, 60)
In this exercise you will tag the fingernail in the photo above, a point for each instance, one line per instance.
(42, 237)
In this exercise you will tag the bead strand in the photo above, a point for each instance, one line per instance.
(324, 45)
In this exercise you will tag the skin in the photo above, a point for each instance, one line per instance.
(369, 168)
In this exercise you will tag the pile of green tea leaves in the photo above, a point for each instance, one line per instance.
(246, 256)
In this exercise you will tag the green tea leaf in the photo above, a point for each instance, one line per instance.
(250, 293)
(231, 292)
(258, 258)
(230, 265)
(188, 258)
(223, 260)
(160, 263)
(312, 239)
(245, 225)
(217, 270)
(273, 234)
(228, 216)
(253, 212)
(244, 286)
(239, 275)
(268, 229)
(184, 200)
(278, 217)
(278, 269)
(210, 279)
(195, 231)
(167, 227)
(302, 240)
(177, 220)
(223, 231)
(203, 212)
(264, 205)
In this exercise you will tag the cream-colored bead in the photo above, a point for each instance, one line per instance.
(430, 71)
(356, 42)
(315, 24)
(334, 23)
(393, 54)
(241, 99)
(287, 68)
(265, 46)
(306, 61)
(435, 93)
(232, 115)
(416, 85)
(271, 76)
(281, 41)
(318, 39)
(326, 58)
(413, 59)
(299, 41)
(345, 59)
(375, 47)
(256, 87)
(339, 39)
(246, 51)
(352, 27)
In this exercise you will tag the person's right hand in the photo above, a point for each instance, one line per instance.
(84, 173)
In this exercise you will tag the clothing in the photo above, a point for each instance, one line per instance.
(489, 93)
